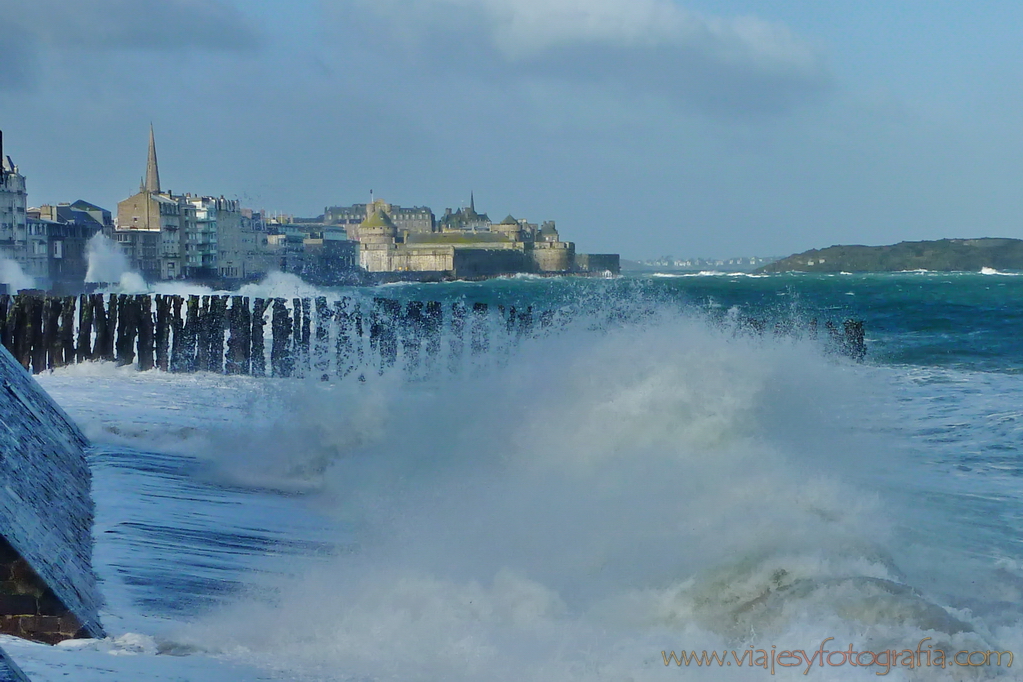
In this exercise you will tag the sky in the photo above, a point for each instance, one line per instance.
(643, 127)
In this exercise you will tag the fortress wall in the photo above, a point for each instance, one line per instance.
(474, 263)
(598, 262)
(423, 259)
(554, 256)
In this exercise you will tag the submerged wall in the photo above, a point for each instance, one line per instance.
(48, 591)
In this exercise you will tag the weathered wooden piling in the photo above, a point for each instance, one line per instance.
(177, 343)
(383, 334)
(5, 335)
(238, 341)
(217, 321)
(143, 309)
(258, 350)
(480, 331)
(18, 328)
(190, 335)
(37, 340)
(546, 321)
(102, 348)
(129, 321)
(67, 329)
(432, 328)
(344, 342)
(456, 339)
(280, 351)
(163, 331)
(321, 347)
(413, 325)
(83, 348)
(854, 341)
(54, 355)
(306, 337)
(525, 325)
(202, 335)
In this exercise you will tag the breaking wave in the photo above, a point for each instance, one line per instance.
(580, 504)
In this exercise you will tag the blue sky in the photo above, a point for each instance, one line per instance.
(646, 127)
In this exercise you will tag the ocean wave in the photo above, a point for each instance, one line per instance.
(571, 509)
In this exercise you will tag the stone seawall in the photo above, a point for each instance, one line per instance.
(48, 591)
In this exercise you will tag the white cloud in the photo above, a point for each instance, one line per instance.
(647, 43)
(33, 27)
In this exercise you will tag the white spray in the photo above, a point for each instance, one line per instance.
(14, 277)
(108, 264)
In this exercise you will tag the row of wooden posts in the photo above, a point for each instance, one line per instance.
(309, 337)
(188, 334)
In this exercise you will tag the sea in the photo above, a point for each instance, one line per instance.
(649, 476)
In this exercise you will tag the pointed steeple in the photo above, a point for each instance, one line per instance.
(472, 202)
(152, 171)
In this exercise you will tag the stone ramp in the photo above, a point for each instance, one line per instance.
(9, 671)
(48, 591)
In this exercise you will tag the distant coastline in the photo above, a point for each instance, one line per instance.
(943, 255)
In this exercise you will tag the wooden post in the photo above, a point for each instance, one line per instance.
(433, 324)
(321, 358)
(190, 334)
(412, 330)
(245, 330)
(129, 317)
(299, 343)
(54, 356)
(854, 343)
(177, 323)
(5, 305)
(38, 336)
(202, 333)
(218, 315)
(84, 346)
(456, 342)
(19, 320)
(526, 322)
(344, 345)
(383, 331)
(546, 321)
(163, 329)
(103, 331)
(238, 340)
(143, 309)
(306, 335)
(480, 333)
(258, 352)
(67, 329)
(280, 350)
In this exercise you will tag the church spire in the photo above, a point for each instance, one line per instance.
(472, 202)
(152, 171)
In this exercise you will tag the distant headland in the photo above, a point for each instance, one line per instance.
(943, 255)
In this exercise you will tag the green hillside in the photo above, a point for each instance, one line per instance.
(944, 255)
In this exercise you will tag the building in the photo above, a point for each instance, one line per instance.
(465, 219)
(415, 220)
(469, 246)
(67, 229)
(13, 212)
(169, 236)
(48, 243)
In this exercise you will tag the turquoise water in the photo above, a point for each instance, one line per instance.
(643, 475)
(963, 320)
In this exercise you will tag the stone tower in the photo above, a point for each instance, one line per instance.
(152, 181)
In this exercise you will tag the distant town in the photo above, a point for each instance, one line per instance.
(669, 263)
(214, 240)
